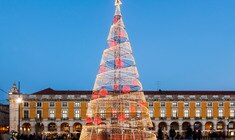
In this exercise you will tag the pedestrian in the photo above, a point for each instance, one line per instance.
(197, 134)
(178, 136)
(213, 135)
(160, 134)
(189, 133)
(172, 133)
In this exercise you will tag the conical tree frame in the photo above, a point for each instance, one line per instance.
(118, 109)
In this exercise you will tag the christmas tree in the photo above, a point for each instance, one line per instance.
(118, 109)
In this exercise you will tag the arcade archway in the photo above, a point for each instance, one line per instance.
(64, 127)
(26, 128)
(163, 126)
(175, 125)
(52, 127)
(185, 125)
(77, 127)
(209, 126)
(197, 126)
(220, 125)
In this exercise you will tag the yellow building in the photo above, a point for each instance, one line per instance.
(65, 111)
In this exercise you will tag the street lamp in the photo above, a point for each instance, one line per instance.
(19, 100)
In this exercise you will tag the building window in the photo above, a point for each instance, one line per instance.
(77, 114)
(221, 104)
(186, 104)
(221, 113)
(52, 113)
(232, 104)
(39, 114)
(64, 104)
(52, 104)
(209, 113)
(198, 113)
(174, 113)
(198, 104)
(102, 113)
(151, 103)
(127, 113)
(232, 111)
(163, 104)
(209, 104)
(77, 104)
(39, 104)
(186, 113)
(174, 104)
(26, 114)
(163, 113)
(26, 104)
(64, 114)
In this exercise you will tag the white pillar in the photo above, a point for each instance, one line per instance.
(180, 128)
(70, 128)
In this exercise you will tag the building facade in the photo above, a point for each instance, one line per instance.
(4, 118)
(57, 111)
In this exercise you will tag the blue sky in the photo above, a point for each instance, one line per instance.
(178, 45)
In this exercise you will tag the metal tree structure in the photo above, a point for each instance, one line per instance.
(118, 109)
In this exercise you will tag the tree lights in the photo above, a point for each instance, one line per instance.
(118, 91)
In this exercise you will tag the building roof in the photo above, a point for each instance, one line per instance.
(49, 91)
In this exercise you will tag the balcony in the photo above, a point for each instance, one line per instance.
(221, 117)
(209, 117)
(77, 118)
(231, 117)
(51, 118)
(26, 119)
(198, 118)
(174, 118)
(186, 118)
(162, 118)
(38, 119)
(64, 118)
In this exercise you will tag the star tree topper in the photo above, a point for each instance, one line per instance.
(118, 2)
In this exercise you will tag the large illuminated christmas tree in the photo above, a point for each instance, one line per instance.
(118, 109)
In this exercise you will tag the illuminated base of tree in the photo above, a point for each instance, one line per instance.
(116, 123)
(104, 132)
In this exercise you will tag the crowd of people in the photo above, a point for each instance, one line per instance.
(189, 134)
(53, 136)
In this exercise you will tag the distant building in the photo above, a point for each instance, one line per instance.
(64, 111)
(4, 118)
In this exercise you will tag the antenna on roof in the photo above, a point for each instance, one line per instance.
(158, 85)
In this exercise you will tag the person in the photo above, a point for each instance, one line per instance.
(213, 135)
(160, 134)
(178, 136)
(197, 134)
(172, 133)
(189, 133)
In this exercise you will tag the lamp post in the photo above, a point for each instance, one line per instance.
(19, 100)
(228, 127)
